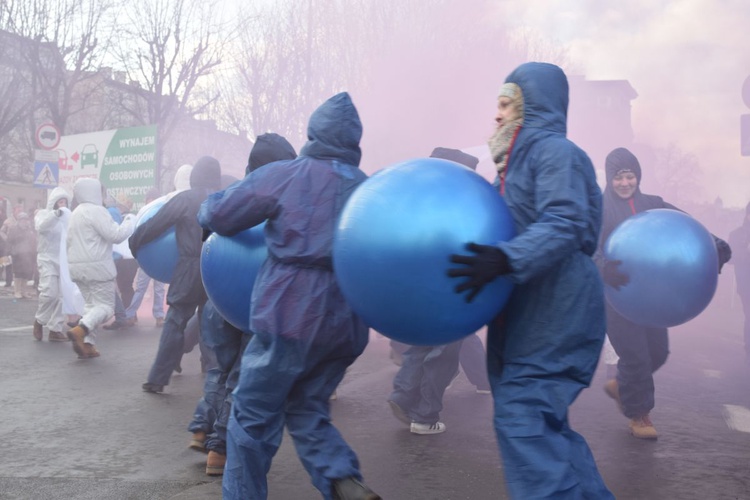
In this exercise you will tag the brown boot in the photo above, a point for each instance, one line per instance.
(38, 330)
(613, 391)
(215, 463)
(76, 335)
(89, 352)
(642, 428)
(198, 442)
(57, 337)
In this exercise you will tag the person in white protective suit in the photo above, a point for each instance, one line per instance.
(50, 224)
(91, 233)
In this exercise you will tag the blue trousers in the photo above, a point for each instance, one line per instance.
(642, 351)
(171, 342)
(534, 381)
(288, 381)
(420, 383)
(227, 344)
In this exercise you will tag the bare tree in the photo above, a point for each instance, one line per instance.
(677, 174)
(56, 50)
(167, 49)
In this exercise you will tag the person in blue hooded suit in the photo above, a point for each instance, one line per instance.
(305, 334)
(544, 347)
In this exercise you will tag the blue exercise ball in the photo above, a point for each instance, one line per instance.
(393, 242)
(673, 267)
(229, 265)
(158, 258)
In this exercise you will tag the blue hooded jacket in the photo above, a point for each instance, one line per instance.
(301, 200)
(551, 191)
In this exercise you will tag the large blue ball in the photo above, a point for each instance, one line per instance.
(229, 265)
(158, 258)
(673, 267)
(392, 245)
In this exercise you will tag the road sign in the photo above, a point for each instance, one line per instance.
(47, 136)
(46, 169)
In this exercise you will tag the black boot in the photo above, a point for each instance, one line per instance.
(352, 489)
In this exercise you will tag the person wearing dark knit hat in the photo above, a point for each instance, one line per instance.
(186, 292)
(427, 371)
(269, 148)
(227, 342)
(642, 350)
(739, 239)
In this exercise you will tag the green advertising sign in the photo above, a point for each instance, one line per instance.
(124, 160)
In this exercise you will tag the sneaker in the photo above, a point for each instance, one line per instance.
(89, 352)
(613, 391)
(159, 322)
(76, 335)
(352, 489)
(399, 412)
(153, 388)
(215, 463)
(198, 441)
(642, 428)
(38, 330)
(57, 337)
(436, 428)
(131, 321)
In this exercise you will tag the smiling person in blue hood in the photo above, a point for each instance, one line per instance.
(305, 334)
(543, 349)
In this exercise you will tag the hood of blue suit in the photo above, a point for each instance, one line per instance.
(545, 95)
(334, 131)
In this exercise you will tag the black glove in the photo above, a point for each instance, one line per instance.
(613, 276)
(488, 263)
(723, 250)
(206, 234)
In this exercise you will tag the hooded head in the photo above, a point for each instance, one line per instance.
(269, 148)
(56, 195)
(206, 174)
(182, 177)
(87, 190)
(621, 160)
(334, 131)
(544, 88)
(456, 155)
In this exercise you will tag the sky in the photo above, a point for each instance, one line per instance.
(687, 59)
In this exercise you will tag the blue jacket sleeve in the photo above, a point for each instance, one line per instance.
(244, 204)
(561, 202)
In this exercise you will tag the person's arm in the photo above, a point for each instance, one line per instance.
(166, 217)
(45, 220)
(110, 230)
(244, 204)
(561, 200)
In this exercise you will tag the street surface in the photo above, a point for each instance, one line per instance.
(83, 429)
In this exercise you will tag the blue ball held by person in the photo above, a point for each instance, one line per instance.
(394, 237)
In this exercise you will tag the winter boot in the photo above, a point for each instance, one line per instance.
(76, 335)
(215, 463)
(198, 442)
(89, 351)
(352, 489)
(56, 337)
(642, 428)
(38, 330)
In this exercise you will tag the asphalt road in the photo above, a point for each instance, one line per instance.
(74, 429)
